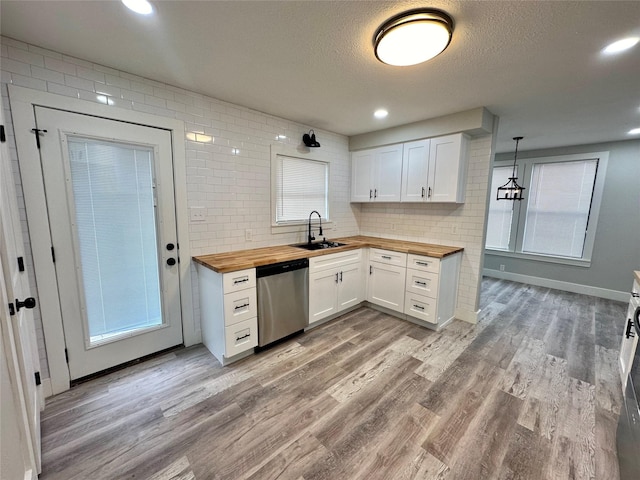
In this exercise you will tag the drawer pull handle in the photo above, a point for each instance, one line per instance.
(422, 192)
(336, 277)
(370, 269)
(235, 282)
(340, 277)
(370, 194)
(386, 257)
(242, 337)
(238, 307)
(629, 333)
(420, 307)
(635, 295)
(424, 264)
(421, 283)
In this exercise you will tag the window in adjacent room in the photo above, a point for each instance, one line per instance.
(557, 219)
(300, 185)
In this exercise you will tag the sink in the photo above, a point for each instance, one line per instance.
(318, 245)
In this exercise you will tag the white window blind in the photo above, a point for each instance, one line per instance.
(302, 186)
(500, 212)
(558, 208)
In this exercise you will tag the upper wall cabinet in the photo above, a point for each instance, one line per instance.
(431, 170)
(376, 174)
(435, 170)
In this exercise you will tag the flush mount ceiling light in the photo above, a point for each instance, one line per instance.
(511, 190)
(413, 37)
(309, 139)
(381, 113)
(143, 7)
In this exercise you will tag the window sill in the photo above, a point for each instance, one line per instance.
(576, 262)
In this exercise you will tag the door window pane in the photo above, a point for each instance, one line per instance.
(558, 208)
(115, 225)
(500, 212)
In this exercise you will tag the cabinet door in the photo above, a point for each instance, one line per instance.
(350, 290)
(322, 294)
(362, 168)
(447, 169)
(415, 167)
(386, 286)
(388, 174)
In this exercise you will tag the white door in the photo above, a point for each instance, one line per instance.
(415, 166)
(19, 350)
(110, 201)
(388, 174)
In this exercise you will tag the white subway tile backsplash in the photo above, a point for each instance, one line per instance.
(90, 74)
(47, 75)
(62, 90)
(15, 66)
(28, 82)
(80, 83)
(25, 56)
(59, 65)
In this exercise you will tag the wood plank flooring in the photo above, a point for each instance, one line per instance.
(530, 392)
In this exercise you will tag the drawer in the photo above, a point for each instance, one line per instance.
(333, 260)
(234, 281)
(420, 307)
(240, 337)
(422, 283)
(239, 306)
(426, 264)
(388, 257)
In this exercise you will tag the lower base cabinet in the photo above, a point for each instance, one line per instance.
(335, 284)
(228, 310)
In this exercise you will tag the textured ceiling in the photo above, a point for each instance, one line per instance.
(536, 64)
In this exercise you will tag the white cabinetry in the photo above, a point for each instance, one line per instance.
(431, 288)
(335, 284)
(629, 338)
(376, 174)
(386, 281)
(435, 170)
(229, 312)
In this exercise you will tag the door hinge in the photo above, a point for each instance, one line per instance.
(12, 310)
(37, 375)
(53, 255)
(66, 355)
(37, 131)
(21, 264)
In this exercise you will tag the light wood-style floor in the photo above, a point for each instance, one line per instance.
(531, 392)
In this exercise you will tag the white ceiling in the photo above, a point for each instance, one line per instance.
(535, 64)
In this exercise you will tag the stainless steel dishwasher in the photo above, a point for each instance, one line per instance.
(283, 299)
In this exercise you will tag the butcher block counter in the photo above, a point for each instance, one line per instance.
(242, 259)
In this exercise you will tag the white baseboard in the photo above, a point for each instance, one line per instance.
(559, 285)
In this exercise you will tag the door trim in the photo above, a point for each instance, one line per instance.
(22, 101)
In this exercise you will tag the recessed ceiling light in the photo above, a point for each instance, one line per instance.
(381, 113)
(635, 131)
(413, 37)
(620, 45)
(143, 7)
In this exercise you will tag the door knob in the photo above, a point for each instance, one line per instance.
(27, 303)
(171, 261)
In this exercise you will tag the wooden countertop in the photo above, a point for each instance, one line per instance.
(241, 259)
(636, 274)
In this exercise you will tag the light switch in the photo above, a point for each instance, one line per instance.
(197, 214)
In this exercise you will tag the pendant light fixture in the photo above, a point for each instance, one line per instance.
(413, 37)
(511, 190)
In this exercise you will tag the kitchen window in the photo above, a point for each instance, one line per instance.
(556, 221)
(299, 186)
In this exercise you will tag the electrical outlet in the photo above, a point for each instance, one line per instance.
(502, 268)
(454, 229)
(197, 214)
(248, 234)
(335, 225)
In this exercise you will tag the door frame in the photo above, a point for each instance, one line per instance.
(22, 101)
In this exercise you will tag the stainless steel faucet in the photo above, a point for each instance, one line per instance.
(311, 238)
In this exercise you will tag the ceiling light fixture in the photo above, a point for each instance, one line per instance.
(381, 113)
(413, 37)
(511, 190)
(309, 139)
(634, 131)
(143, 7)
(621, 45)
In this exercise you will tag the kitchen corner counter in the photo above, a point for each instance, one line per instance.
(636, 274)
(242, 259)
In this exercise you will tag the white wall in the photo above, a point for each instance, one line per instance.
(234, 188)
